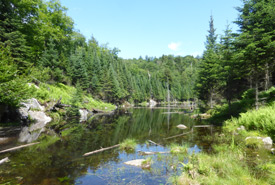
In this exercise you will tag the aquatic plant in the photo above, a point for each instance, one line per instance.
(147, 162)
(128, 144)
(178, 149)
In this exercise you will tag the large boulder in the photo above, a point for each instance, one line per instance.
(84, 115)
(28, 105)
(152, 103)
(32, 110)
(266, 141)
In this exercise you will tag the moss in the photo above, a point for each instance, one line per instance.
(47, 93)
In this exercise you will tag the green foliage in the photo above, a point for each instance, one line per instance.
(262, 120)
(178, 149)
(13, 86)
(222, 168)
(128, 144)
(147, 162)
(253, 142)
(46, 141)
(71, 96)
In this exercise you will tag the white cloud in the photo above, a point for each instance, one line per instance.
(174, 46)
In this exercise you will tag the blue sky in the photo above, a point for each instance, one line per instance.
(151, 27)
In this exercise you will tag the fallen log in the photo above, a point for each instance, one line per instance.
(179, 135)
(101, 150)
(202, 126)
(152, 153)
(18, 147)
(4, 160)
(150, 141)
(58, 104)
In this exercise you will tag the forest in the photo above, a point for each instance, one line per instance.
(40, 44)
(43, 56)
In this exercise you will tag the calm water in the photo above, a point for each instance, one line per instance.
(62, 162)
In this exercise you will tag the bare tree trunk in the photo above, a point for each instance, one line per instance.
(250, 82)
(257, 92)
(267, 77)
(211, 99)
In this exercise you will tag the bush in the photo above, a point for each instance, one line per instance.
(262, 120)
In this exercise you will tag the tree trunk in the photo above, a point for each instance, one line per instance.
(267, 77)
(211, 99)
(250, 82)
(257, 92)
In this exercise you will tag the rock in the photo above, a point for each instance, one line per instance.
(84, 115)
(272, 151)
(137, 162)
(29, 105)
(241, 128)
(152, 103)
(267, 141)
(29, 134)
(33, 104)
(181, 126)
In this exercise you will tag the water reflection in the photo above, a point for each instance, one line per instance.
(62, 162)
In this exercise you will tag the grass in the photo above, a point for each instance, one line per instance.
(128, 144)
(247, 102)
(47, 93)
(178, 149)
(222, 168)
(147, 163)
(262, 120)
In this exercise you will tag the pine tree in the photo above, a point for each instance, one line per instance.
(256, 40)
(208, 79)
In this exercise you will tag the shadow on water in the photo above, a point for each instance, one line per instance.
(62, 162)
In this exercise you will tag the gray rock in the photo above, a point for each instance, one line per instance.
(84, 115)
(33, 104)
(267, 141)
(137, 162)
(31, 133)
(30, 104)
(152, 103)
(181, 126)
(241, 128)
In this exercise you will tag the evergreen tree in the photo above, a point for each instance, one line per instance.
(256, 40)
(208, 77)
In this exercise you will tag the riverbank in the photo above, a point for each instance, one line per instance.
(242, 154)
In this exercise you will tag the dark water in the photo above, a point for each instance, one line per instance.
(63, 163)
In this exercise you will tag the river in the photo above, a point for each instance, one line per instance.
(62, 162)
